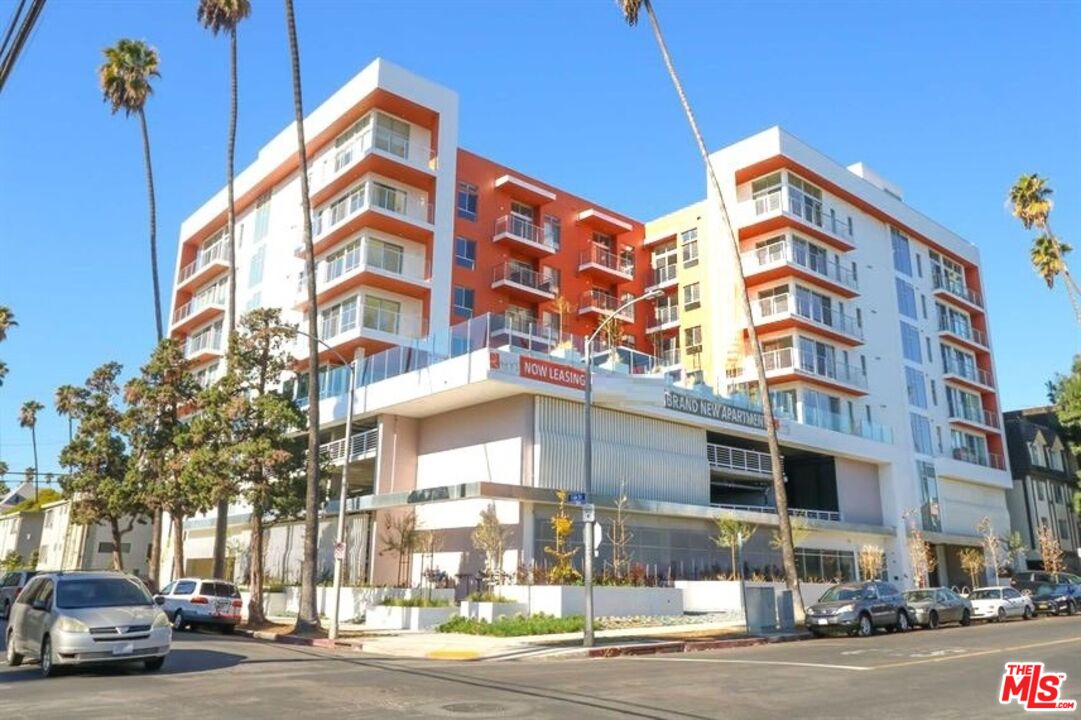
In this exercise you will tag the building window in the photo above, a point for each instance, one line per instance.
(919, 265)
(691, 298)
(825, 566)
(902, 258)
(906, 299)
(688, 240)
(382, 314)
(553, 277)
(463, 301)
(107, 547)
(923, 305)
(932, 521)
(467, 201)
(1040, 494)
(255, 267)
(553, 231)
(1035, 456)
(910, 343)
(917, 387)
(465, 253)
(338, 318)
(1058, 492)
(692, 340)
(934, 393)
(1063, 530)
(262, 218)
(921, 434)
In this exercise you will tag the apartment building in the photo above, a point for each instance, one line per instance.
(1044, 483)
(67, 545)
(465, 289)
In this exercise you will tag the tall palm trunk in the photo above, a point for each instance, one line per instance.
(307, 615)
(221, 524)
(34, 443)
(788, 554)
(155, 528)
(178, 545)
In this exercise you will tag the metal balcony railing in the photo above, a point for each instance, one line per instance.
(986, 459)
(616, 262)
(723, 457)
(968, 371)
(828, 515)
(526, 277)
(599, 300)
(664, 274)
(218, 252)
(664, 315)
(789, 252)
(957, 289)
(361, 445)
(976, 415)
(522, 229)
(810, 209)
(962, 330)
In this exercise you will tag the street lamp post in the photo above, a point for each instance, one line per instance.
(339, 541)
(587, 579)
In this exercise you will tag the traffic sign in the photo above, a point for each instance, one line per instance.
(589, 512)
(576, 498)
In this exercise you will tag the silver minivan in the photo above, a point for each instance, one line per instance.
(201, 602)
(74, 618)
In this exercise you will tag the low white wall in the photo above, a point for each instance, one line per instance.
(390, 617)
(724, 595)
(564, 600)
(489, 611)
(355, 600)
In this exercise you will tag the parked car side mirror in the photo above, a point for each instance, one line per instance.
(39, 605)
(159, 600)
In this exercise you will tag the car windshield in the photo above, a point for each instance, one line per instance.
(841, 592)
(73, 594)
(1049, 589)
(985, 595)
(919, 595)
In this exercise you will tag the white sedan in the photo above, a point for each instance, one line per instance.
(999, 603)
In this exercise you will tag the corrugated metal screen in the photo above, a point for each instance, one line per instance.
(656, 459)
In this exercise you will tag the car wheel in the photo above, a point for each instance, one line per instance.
(1001, 614)
(1070, 607)
(966, 618)
(48, 664)
(932, 620)
(153, 664)
(1027, 614)
(14, 659)
(178, 621)
(865, 628)
(902, 624)
(227, 629)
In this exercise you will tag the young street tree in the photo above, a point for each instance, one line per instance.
(871, 559)
(731, 534)
(490, 537)
(101, 488)
(992, 546)
(787, 545)
(156, 400)
(1050, 549)
(265, 461)
(973, 563)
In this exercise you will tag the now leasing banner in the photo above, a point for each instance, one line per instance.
(541, 370)
(713, 409)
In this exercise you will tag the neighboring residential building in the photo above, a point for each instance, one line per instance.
(465, 289)
(67, 545)
(20, 532)
(20, 493)
(1044, 482)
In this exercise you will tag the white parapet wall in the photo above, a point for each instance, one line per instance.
(491, 611)
(566, 600)
(393, 617)
(701, 596)
(356, 601)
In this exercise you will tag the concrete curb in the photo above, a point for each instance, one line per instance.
(326, 643)
(687, 646)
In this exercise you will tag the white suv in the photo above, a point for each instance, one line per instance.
(199, 601)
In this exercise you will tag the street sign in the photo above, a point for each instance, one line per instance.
(589, 512)
(339, 551)
(576, 498)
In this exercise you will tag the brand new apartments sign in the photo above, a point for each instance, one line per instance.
(714, 409)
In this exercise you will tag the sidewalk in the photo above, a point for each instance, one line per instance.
(609, 643)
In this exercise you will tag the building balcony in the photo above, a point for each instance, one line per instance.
(524, 191)
(524, 283)
(968, 375)
(784, 204)
(669, 358)
(599, 302)
(786, 364)
(826, 515)
(662, 278)
(963, 334)
(604, 222)
(607, 265)
(208, 264)
(978, 418)
(375, 330)
(372, 265)
(362, 446)
(786, 259)
(781, 311)
(664, 318)
(956, 292)
(204, 346)
(985, 459)
(376, 149)
(523, 235)
(372, 204)
(198, 311)
(730, 460)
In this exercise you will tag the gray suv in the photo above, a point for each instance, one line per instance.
(858, 608)
(86, 617)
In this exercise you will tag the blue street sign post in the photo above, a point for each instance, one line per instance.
(576, 498)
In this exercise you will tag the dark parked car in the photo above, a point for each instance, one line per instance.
(933, 606)
(858, 608)
(1055, 598)
(10, 587)
(1028, 581)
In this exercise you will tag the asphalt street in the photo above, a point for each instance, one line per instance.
(947, 673)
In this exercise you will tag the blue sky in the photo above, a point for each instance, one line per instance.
(950, 100)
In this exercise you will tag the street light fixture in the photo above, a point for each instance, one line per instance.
(587, 580)
(339, 542)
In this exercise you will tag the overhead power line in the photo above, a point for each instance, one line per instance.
(7, 61)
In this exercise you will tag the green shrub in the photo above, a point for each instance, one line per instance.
(516, 626)
(421, 602)
(488, 596)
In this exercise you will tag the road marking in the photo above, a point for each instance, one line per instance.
(754, 662)
(980, 653)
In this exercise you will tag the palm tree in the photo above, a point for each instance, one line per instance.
(28, 418)
(1031, 199)
(7, 320)
(223, 16)
(307, 615)
(3, 474)
(125, 85)
(3, 372)
(630, 9)
(66, 400)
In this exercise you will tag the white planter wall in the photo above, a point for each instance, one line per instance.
(490, 611)
(392, 617)
(565, 600)
(724, 595)
(355, 600)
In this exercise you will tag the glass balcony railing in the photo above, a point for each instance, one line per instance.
(769, 308)
(968, 371)
(218, 252)
(796, 254)
(603, 257)
(519, 228)
(789, 359)
(366, 196)
(956, 288)
(804, 206)
(664, 315)
(963, 330)
(522, 276)
(975, 415)
(986, 459)
(206, 341)
(663, 274)
(199, 303)
(598, 300)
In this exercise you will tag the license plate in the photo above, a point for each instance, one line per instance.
(124, 649)
(822, 621)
